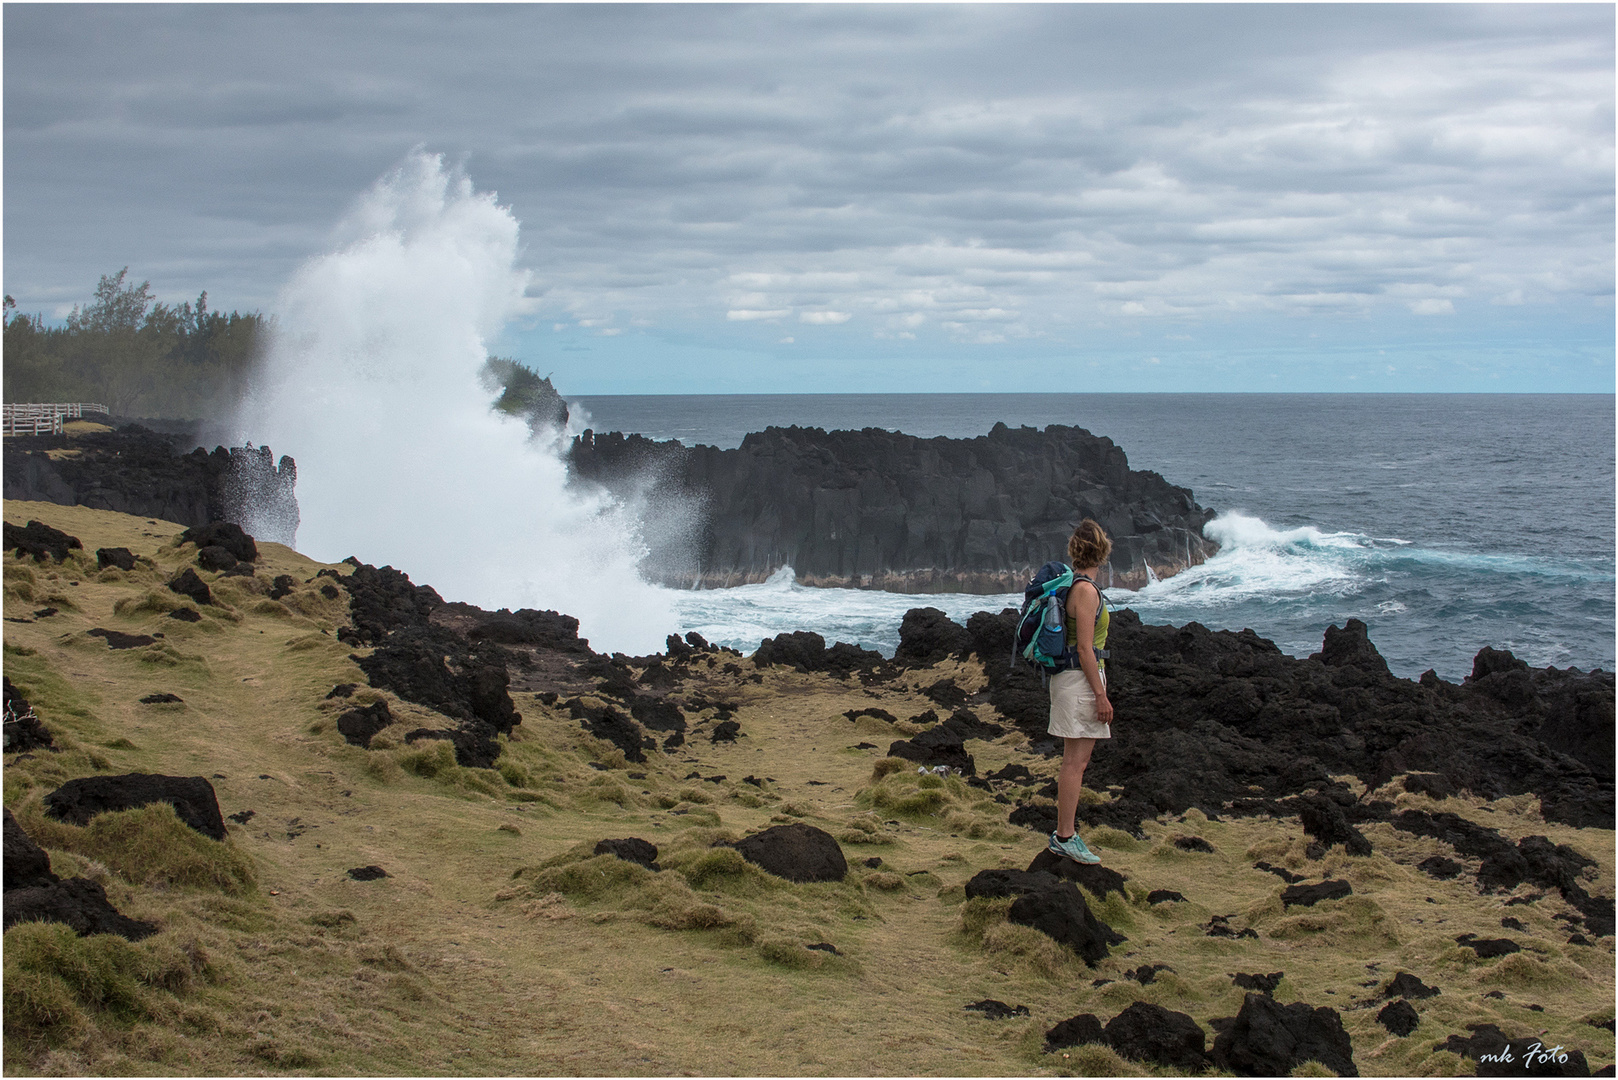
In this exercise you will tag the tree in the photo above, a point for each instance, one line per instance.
(128, 350)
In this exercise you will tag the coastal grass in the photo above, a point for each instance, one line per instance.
(499, 943)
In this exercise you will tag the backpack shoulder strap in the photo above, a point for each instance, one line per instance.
(1077, 577)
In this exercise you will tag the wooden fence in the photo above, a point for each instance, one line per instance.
(45, 419)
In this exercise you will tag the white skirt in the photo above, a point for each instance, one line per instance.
(1073, 707)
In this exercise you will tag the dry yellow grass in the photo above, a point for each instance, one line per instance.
(500, 945)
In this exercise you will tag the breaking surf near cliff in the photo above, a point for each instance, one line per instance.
(371, 384)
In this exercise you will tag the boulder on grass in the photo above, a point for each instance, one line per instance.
(797, 852)
(187, 584)
(1075, 1031)
(192, 797)
(1147, 1032)
(1399, 1017)
(78, 902)
(1406, 985)
(630, 849)
(27, 866)
(1050, 905)
(1100, 880)
(40, 541)
(223, 534)
(1310, 895)
(119, 558)
(1270, 1039)
(358, 726)
(1497, 1055)
(216, 558)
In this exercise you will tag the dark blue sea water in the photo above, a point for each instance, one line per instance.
(1445, 522)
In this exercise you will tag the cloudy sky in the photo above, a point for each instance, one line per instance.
(793, 198)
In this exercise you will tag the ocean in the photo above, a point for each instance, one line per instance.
(1444, 522)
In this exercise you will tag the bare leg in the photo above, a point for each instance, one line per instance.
(1075, 759)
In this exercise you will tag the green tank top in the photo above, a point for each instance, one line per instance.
(1103, 620)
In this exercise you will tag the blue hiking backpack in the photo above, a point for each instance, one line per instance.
(1042, 623)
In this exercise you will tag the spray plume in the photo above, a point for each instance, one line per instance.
(371, 382)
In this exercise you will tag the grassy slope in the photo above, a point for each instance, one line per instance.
(273, 960)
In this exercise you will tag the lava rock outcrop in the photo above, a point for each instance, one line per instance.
(881, 509)
(1226, 722)
(147, 474)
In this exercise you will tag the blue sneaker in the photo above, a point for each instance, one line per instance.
(1075, 849)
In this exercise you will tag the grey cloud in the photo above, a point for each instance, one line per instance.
(1061, 161)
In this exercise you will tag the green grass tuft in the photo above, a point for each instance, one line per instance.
(147, 846)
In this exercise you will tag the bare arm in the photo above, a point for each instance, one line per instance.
(1083, 604)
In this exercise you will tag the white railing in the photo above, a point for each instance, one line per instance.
(47, 419)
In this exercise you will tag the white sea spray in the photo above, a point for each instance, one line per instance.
(371, 384)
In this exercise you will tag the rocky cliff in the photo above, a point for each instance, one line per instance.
(884, 510)
(138, 471)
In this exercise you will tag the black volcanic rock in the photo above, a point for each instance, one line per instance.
(1310, 895)
(1351, 647)
(80, 903)
(941, 745)
(881, 509)
(1512, 1057)
(926, 636)
(192, 797)
(146, 474)
(216, 559)
(1505, 865)
(187, 584)
(1406, 985)
(437, 668)
(1399, 1017)
(1324, 820)
(1270, 1039)
(222, 534)
(606, 722)
(23, 730)
(1488, 948)
(1264, 984)
(1075, 1031)
(26, 864)
(805, 651)
(359, 726)
(382, 600)
(1147, 1032)
(117, 639)
(473, 741)
(994, 1009)
(1439, 867)
(548, 629)
(1225, 722)
(119, 558)
(797, 852)
(630, 849)
(1050, 905)
(38, 540)
(1100, 880)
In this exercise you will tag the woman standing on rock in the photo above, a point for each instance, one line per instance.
(1080, 711)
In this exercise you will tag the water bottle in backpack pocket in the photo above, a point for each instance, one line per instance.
(1051, 637)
